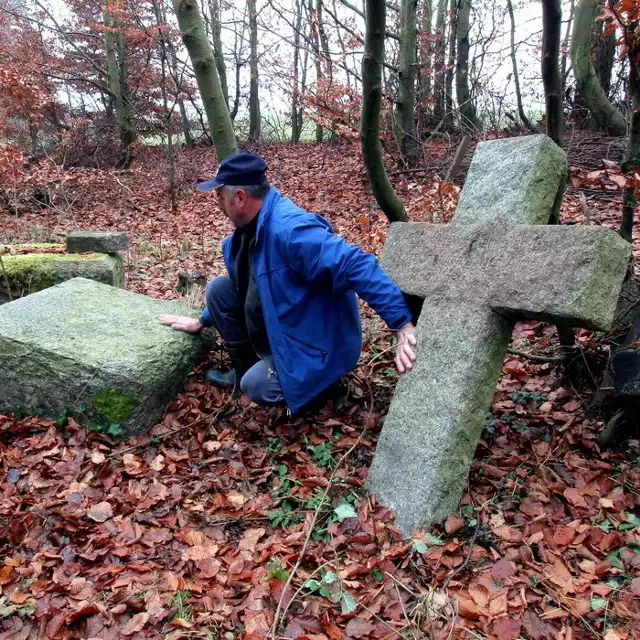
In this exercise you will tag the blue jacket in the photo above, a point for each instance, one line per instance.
(307, 279)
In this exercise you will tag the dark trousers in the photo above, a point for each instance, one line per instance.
(260, 382)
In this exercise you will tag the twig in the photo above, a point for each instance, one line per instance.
(280, 612)
(535, 358)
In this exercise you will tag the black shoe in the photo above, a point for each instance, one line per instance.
(222, 379)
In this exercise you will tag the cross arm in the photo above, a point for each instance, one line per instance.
(555, 273)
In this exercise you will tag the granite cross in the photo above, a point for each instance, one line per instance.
(496, 262)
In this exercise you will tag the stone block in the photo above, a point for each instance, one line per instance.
(30, 272)
(515, 180)
(96, 351)
(570, 274)
(98, 241)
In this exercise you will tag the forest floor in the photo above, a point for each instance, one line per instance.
(194, 530)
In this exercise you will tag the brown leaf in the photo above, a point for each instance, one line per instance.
(575, 498)
(18, 597)
(453, 523)
(563, 536)
(135, 624)
(100, 512)
(54, 625)
(84, 612)
(572, 405)
(157, 464)
(508, 533)
(506, 628)
(502, 570)
(358, 627)
(538, 629)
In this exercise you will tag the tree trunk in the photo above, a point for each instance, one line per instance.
(564, 72)
(370, 116)
(324, 42)
(116, 70)
(632, 154)
(168, 113)
(607, 117)
(448, 90)
(254, 98)
(303, 80)
(186, 130)
(206, 72)
(407, 79)
(551, 23)
(466, 107)
(216, 37)
(514, 63)
(604, 48)
(315, 41)
(237, 52)
(424, 67)
(439, 63)
(295, 96)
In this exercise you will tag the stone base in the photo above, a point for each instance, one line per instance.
(30, 272)
(95, 351)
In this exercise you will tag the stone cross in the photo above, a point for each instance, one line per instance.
(491, 266)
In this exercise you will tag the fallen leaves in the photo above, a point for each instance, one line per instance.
(100, 512)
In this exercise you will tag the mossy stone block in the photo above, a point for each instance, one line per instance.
(96, 351)
(27, 273)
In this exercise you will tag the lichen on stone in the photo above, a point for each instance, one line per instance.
(113, 405)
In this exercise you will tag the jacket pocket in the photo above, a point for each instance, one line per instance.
(307, 348)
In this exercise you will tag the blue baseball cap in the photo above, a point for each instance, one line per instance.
(241, 169)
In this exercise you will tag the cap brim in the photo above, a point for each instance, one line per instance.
(209, 185)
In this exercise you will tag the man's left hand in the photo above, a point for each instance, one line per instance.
(405, 341)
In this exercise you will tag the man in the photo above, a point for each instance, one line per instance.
(287, 311)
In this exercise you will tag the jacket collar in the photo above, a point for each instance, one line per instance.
(268, 205)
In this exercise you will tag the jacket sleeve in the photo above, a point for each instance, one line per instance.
(325, 259)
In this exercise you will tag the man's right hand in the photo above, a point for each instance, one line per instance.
(182, 323)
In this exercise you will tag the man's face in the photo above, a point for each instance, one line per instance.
(233, 205)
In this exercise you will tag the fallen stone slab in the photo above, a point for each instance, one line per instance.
(95, 351)
(25, 273)
(98, 241)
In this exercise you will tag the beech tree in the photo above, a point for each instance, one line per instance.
(607, 117)
(466, 106)
(551, 80)
(514, 66)
(206, 72)
(407, 79)
(372, 58)
(117, 75)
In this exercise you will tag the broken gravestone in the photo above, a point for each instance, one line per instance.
(95, 351)
(491, 266)
(97, 241)
(27, 268)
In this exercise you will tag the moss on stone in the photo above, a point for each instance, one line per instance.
(30, 247)
(31, 272)
(113, 405)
